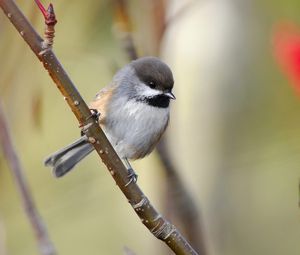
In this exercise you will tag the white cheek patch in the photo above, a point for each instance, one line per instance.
(145, 91)
(140, 110)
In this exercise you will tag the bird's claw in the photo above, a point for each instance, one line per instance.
(132, 176)
(94, 114)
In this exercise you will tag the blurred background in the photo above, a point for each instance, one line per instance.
(234, 134)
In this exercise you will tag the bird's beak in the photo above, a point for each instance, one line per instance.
(170, 95)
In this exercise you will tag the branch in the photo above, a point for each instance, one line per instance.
(50, 21)
(149, 216)
(45, 245)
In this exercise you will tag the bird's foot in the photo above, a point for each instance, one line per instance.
(132, 176)
(94, 114)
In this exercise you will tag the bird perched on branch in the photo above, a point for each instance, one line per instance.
(134, 113)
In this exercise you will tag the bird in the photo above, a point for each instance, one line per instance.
(134, 112)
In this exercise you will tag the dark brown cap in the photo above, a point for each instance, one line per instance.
(154, 73)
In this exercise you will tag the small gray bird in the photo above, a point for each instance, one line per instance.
(134, 113)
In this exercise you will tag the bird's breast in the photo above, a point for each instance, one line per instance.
(134, 128)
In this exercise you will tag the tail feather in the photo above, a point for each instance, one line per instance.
(65, 159)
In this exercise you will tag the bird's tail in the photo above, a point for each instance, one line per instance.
(65, 159)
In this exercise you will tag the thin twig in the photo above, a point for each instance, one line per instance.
(50, 22)
(149, 216)
(45, 245)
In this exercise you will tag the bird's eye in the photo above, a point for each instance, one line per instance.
(152, 84)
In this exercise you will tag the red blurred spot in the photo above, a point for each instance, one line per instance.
(287, 51)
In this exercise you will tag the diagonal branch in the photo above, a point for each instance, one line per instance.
(149, 216)
(45, 245)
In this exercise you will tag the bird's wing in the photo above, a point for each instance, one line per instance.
(101, 100)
